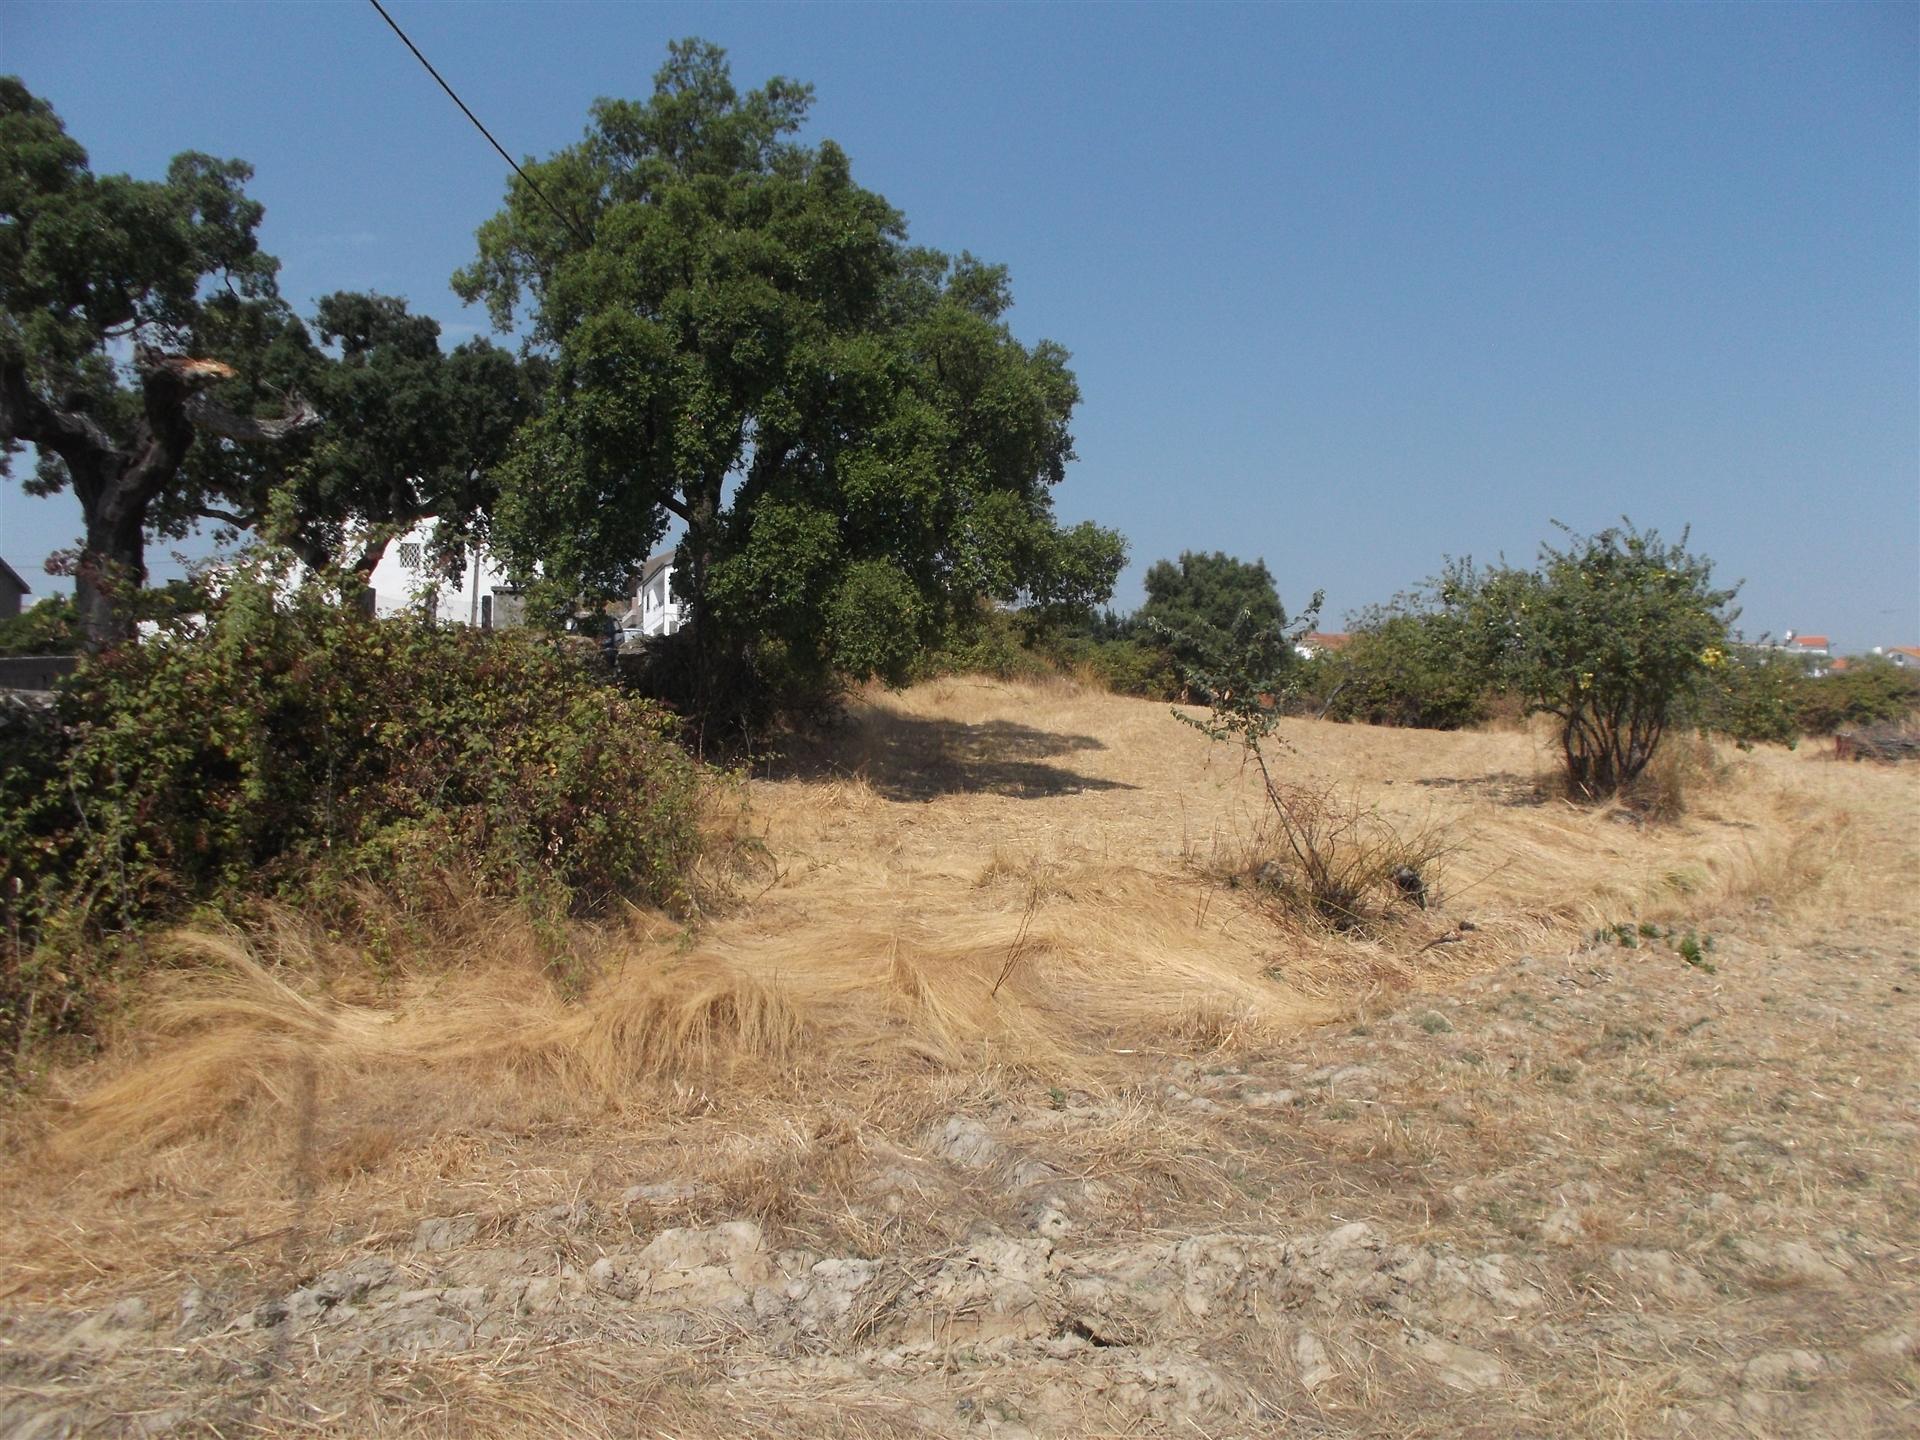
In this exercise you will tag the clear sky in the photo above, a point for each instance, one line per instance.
(1348, 288)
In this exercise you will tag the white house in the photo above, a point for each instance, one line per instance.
(1319, 642)
(402, 582)
(1814, 652)
(655, 610)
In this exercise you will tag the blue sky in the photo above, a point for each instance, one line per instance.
(1348, 288)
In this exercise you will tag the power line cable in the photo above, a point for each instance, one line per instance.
(565, 218)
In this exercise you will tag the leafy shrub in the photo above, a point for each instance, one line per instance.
(1126, 667)
(300, 751)
(1612, 636)
(986, 641)
(1410, 669)
(874, 618)
(51, 627)
(1751, 699)
(1867, 692)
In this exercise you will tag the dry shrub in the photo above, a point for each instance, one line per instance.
(1325, 855)
(1686, 765)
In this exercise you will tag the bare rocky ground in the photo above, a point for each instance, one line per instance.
(1615, 1193)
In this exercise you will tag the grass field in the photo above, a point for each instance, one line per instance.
(975, 1020)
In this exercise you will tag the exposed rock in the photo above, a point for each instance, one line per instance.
(1457, 1365)
(1661, 1273)
(1790, 1262)
(1782, 1370)
(967, 1143)
(1311, 1361)
(444, 1232)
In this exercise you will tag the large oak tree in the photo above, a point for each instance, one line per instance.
(121, 305)
(744, 341)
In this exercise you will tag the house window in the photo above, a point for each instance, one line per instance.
(410, 555)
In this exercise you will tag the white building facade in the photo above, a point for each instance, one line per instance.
(656, 609)
(402, 583)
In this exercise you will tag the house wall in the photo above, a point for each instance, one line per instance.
(10, 593)
(400, 584)
(661, 611)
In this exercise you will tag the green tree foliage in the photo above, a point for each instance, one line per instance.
(743, 341)
(1412, 665)
(301, 751)
(1868, 692)
(1200, 597)
(96, 268)
(1752, 698)
(51, 627)
(1612, 636)
(407, 432)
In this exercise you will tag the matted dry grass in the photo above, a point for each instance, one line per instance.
(973, 879)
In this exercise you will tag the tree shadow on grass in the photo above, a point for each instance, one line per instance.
(908, 757)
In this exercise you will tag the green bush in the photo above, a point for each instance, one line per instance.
(1867, 692)
(987, 641)
(1751, 699)
(1612, 636)
(1125, 666)
(302, 752)
(51, 627)
(1409, 669)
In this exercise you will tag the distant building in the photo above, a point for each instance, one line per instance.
(403, 582)
(1907, 657)
(12, 588)
(1320, 642)
(1815, 652)
(657, 608)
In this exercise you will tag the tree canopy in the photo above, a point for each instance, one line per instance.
(146, 353)
(742, 340)
(1611, 635)
(407, 432)
(1199, 596)
(114, 338)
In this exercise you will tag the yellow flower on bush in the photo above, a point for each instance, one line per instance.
(1713, 657)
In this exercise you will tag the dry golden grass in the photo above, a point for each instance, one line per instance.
(995, 904)
(972, 878)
